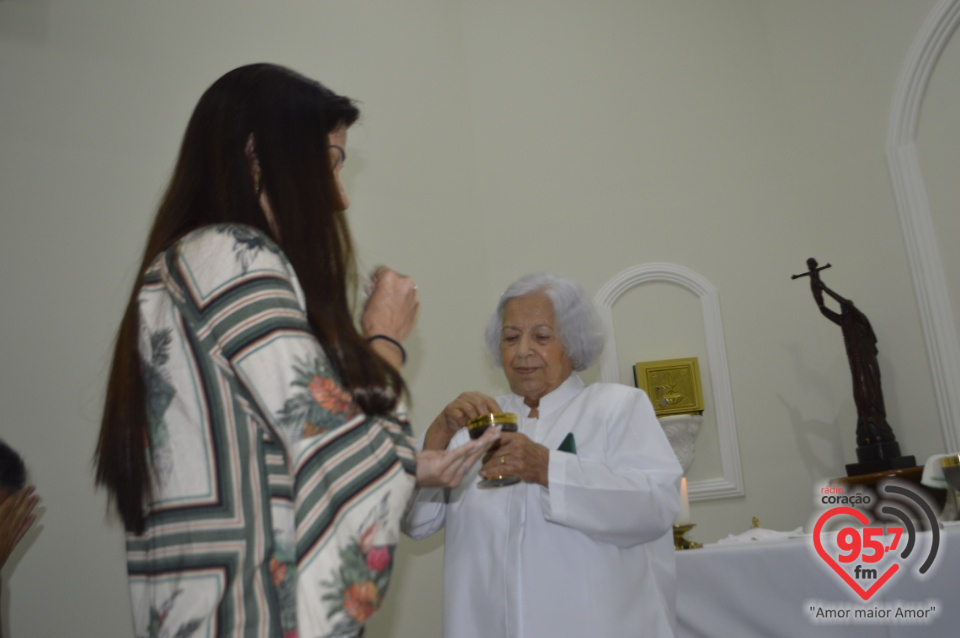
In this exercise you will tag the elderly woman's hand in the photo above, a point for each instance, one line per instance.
(518, 456)
(442, 468)
(456, 415)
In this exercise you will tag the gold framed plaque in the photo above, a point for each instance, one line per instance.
(673, 385)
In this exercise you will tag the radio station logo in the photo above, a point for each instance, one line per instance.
(869, 552)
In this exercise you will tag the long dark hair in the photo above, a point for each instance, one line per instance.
(288, 117)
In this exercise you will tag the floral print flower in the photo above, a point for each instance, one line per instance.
(278, 571)
(319, 402)
(361, 580)
(329, 395)
(379, 558)
(361, 600)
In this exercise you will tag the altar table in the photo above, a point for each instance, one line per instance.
(765, 589)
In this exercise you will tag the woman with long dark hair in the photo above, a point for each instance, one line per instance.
(253, 437)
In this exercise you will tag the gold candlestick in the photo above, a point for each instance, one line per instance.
(679, 542)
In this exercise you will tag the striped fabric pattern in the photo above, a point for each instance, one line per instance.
(277, 503)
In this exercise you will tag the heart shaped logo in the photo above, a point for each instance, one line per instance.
(854, 585)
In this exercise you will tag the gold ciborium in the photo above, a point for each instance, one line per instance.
(477, 426)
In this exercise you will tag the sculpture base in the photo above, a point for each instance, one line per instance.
(879, 457)
(880, 465)
(910, 475)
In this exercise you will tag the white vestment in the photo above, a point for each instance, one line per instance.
(590, 556)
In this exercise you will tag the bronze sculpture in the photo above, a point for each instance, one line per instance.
(877, 447)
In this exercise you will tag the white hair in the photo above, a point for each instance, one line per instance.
(578, 325)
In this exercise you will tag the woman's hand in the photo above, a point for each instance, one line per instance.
(468, 405)
(442, 468)
(16, 517)
(518, 456)
(392, 306)
(391, 310)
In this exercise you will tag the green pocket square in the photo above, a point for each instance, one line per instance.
(568, 445)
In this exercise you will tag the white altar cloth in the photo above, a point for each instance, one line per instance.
(765, 589)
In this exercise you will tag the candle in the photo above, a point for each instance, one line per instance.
(683, 518)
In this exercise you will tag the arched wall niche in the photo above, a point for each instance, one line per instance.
(916, 220)
(730, 483)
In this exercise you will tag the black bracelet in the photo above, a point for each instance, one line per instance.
(403, 353)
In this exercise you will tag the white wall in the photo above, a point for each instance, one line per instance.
(733, 138)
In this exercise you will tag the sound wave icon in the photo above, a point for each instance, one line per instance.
(933, 524)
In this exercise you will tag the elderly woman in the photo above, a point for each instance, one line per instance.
(583, 545)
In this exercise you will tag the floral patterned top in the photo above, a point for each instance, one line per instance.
(276, 503)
